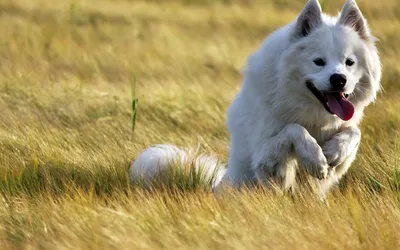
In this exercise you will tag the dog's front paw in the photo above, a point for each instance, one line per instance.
(318, 171)
(340, 147)
(316, 164)
(333, 152)
(313, 158)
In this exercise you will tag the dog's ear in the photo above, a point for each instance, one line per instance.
(309, 19)
(351, 16)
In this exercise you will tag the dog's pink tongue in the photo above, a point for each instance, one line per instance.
(340, 106)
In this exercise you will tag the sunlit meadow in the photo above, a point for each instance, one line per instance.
(67, 71)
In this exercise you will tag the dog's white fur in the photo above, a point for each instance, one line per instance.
(277, 125)
(155, 162)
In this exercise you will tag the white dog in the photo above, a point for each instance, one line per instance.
(300, 106)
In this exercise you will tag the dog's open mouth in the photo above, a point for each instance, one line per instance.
(334, 102)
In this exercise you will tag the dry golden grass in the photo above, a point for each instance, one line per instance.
(66, 141)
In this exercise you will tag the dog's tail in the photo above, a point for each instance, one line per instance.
(158, 161)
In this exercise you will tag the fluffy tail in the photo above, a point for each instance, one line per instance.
(158, 160)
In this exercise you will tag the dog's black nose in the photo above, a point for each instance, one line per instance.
(338, 81)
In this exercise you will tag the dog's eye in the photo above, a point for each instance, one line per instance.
(319, 62)
(349, 62)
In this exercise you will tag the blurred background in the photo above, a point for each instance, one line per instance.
(72, 63)
(67, 74)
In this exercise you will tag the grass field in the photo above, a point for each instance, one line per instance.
(66, 73)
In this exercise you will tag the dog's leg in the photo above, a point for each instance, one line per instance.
(340, 152)
(239, 172)
(342, 145)
(271, 158)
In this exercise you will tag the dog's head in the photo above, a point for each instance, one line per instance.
(333, 62)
